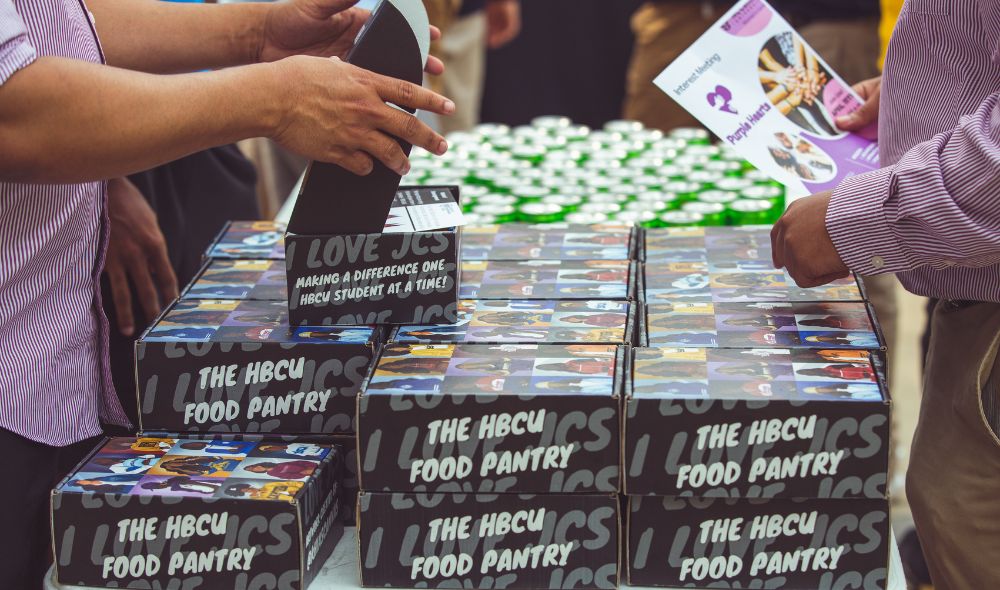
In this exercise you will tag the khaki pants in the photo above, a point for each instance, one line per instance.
(463, 50)
(953, 483)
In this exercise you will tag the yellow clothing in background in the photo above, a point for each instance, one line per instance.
(890, 14)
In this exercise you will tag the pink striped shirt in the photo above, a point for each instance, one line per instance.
(55, 385)
(932, 213)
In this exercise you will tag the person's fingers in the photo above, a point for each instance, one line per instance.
(409, 95)
(864, 116)
(122, 298)
(410, 129)
(777, 245)
(322, 9)
(435, 33)
(434, 66)
(145, 289)
(386, 150)
(163, 273)
(357, 162)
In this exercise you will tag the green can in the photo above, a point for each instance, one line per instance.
(623, 126)
(541, 213)
(691, 135)
(479, 219)
(767, 192)
(711, 213)
(753, 212)
(616, 198)
(680, 218)
(642, 218)
(667, 200)
(685, 191)
(551, 122)
(604, 208)
(568, 202)
(725, 168)
(573, 133)
(529, 193)
(733, 184)
(497, 199)
(717, 196)
(500, 213)
(586, 218)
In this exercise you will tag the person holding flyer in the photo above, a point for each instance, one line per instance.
(931, 214)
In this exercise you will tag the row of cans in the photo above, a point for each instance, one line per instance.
(553, 171)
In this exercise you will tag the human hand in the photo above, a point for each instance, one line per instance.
(866, 114)
(503, 22)
(137, 253)
(335, 112)
(801, 244)
(323, 28)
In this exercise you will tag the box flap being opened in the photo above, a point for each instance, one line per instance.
(334, 200)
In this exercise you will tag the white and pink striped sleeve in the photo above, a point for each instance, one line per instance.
(938, 207)
(16, 51)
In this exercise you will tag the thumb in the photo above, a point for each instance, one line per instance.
(324, 9)
(861, 118)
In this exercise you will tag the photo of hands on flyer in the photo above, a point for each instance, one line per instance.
(754, 82)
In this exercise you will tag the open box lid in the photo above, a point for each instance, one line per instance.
(393, 42)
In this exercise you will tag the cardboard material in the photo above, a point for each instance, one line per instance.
(249, 239)
(505, 418)
(552, 541)
(525, 321)
(262, 280)
(550, 241)
(333, 200)
(375, 278)
(236, 366)
(724, 264)
(739, 543)
(761, 325)
(548, 279)
(198, 513)
(756, 423)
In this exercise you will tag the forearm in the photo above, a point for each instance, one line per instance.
(64, 120)
(937, 207)
(169, 37)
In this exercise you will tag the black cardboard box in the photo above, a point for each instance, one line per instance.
(505, 418)
(740, 543)
(526, 321)
(769, 324)
(756, 423)
(548, 279)
(550, 241)
(257, 279)
(550, 541)
(373, 277)
(198, 513)
(236, 366)
(725, 264)
(249, 240)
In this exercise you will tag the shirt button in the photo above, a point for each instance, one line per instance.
(877, 262)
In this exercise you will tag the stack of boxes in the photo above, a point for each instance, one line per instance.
(757, 423)
(490, 449)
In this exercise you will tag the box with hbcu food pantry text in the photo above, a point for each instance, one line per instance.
(531, 418)
(199, 513)
(490, 541)
(375, 265)
(756, 423)
(236, 366)
(798, 544)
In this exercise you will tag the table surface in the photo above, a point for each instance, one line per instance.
(340, 572)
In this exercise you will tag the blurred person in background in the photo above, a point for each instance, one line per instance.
(472, 27)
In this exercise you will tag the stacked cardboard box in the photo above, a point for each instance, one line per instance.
(490, 450)
(757, 424)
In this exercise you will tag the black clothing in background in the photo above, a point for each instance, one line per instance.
(569, 59)
(192, 197)
(470, 6)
